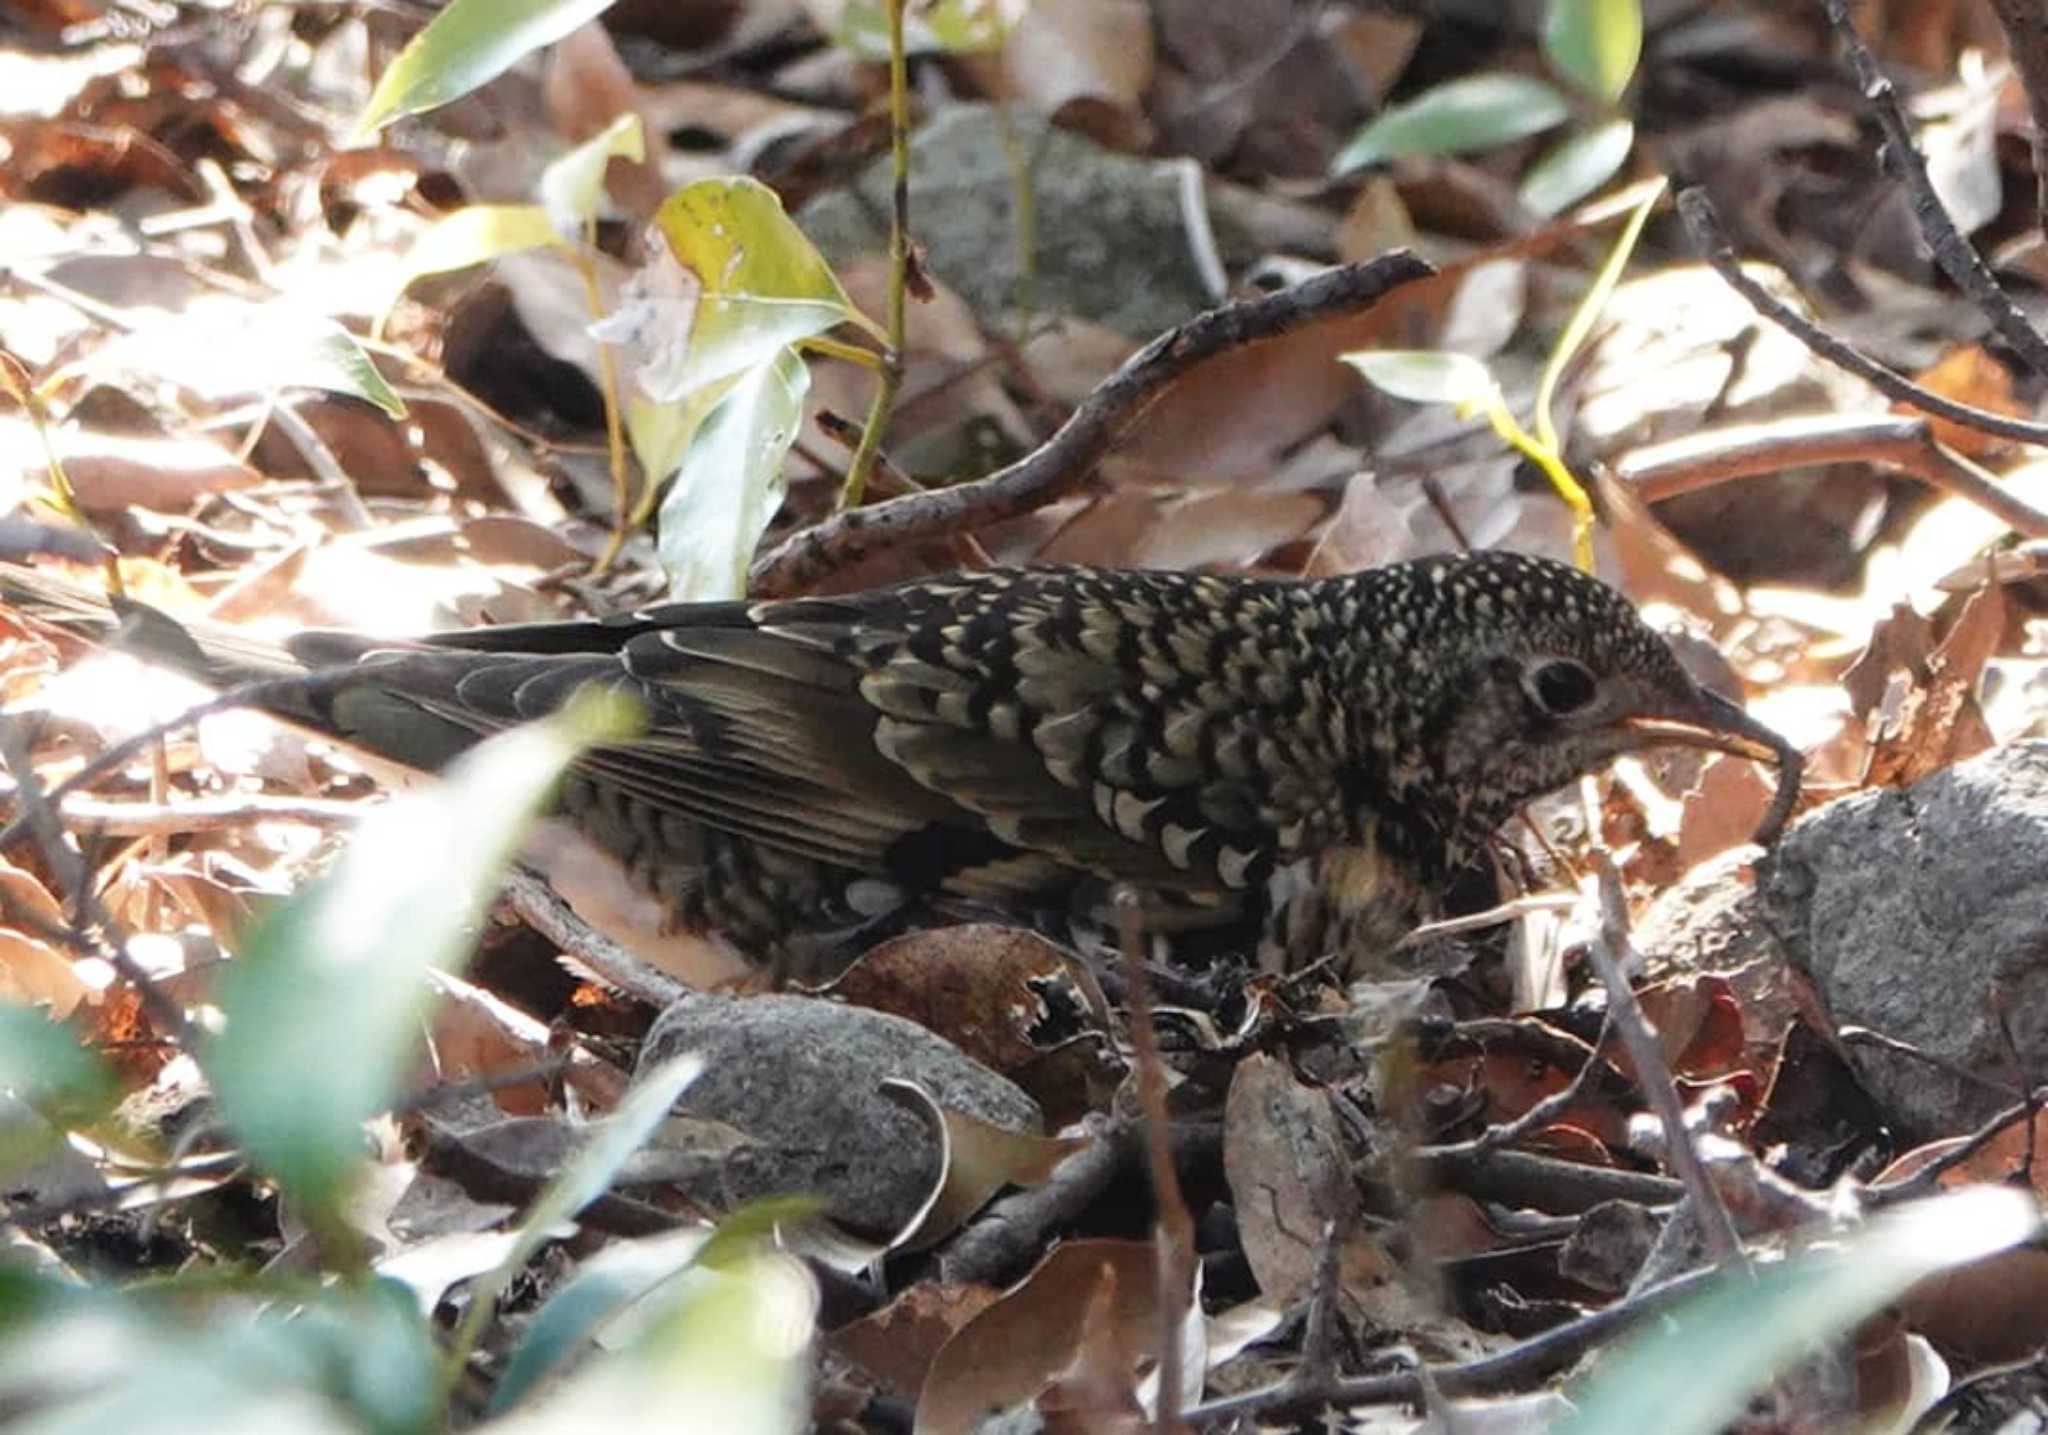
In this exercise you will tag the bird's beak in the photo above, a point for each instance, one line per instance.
(1715, 723)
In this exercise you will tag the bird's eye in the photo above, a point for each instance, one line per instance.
(1560, 686)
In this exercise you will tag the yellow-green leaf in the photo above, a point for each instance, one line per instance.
(571, 187)
(1574, 169)
(1595, 43)
(1424, 376)
(468, 44)
(731, 481)
(763, 285)
(1477, 112)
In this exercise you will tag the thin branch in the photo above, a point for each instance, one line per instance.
(2026, 36)
(1174, 1231)
(1892, 441)
(1527, 1361)
(1951, 251)
(1059, 466)
(889, 379)
(1610, 950)
(1704, 226)
(543, 909)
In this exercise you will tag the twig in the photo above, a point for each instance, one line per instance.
(2026, 37)
(1924, 1180)
(1011, 1233)
(1704, 225)
(1104, 419)
(1951, 251)
(199, 814)
(543, 909)
(1610, 950)
(1529, 1360)
(1507, 1133)
(260, 694)
(1174, 1236)
(95, 930)
(1907, 444)
(1544, 1183)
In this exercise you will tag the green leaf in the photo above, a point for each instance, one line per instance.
(320, 354)
(1477, 112)
(1577, 167)
(722, 1346)
(760, 285)
(323, 1005)
(1424, 376)
(466, 45)
(606, 1283)
(730, 482)
(943, 27)
(478, 233)
(1595, 43)
(1693, 1373)
(571, 187)
(579, 1183)
(44, 1068)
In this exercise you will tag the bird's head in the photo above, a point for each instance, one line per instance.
(1524, 674)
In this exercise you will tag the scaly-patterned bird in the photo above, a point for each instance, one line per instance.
(1314, 760)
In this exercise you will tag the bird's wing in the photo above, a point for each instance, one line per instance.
(989, 735)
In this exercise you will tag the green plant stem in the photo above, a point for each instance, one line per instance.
(890, 377)
(625, 518)
(835, 349)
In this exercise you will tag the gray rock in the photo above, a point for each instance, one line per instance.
(798, 1077)
(1907, 907)
(1112, 236)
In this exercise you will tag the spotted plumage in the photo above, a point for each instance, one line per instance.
(1311, 761)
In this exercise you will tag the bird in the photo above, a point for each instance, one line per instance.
(1301, 765)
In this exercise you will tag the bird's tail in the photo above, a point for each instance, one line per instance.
(212, 653)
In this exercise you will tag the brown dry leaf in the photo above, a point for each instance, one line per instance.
(1094, 1394)
(21, 893)
(1134, 528)
(896, 1344)
(1375, 222)
(32, 973)
(478, 1035)
(1018, 1348)
(978, 1159)
(226, 910)
(1925, 715)
(1008, 998)
(1722, 811)
(1991, 1310)
(1968, 375)
(110, 471)
(1089, 62)
(1699, 1025)
(1284, 1157)
(1367, 531)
